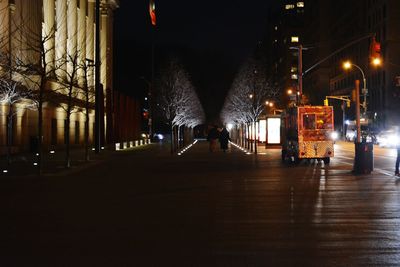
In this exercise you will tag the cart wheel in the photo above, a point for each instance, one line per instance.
(327, 160)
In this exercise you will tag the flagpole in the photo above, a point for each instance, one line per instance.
(152, 11)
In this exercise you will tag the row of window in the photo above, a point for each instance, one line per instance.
(292, 6)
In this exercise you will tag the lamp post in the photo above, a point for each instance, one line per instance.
(97, 141)
(347, 65)
(149, 101)
(363, 161)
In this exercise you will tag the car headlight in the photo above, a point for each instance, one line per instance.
(394, 140)
(334, 136)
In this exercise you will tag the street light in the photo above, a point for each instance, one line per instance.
(363, 161)
(348, 65)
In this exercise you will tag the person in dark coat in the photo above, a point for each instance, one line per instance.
(223, 139)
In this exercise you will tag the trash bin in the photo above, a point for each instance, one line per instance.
(364, 158)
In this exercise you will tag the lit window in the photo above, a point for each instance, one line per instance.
(295, 39)
(293, 69)
(300, 4)
(294, 76)
(290, 6)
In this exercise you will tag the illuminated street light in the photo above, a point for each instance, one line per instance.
(377, 61)
(251, 96)
(348, 65)
(271, 104)
(290, 91)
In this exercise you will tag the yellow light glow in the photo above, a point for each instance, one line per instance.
(251, 95)
(347, 65)
(267, 103)
(377, 61)
(295, 39)
(271, 104)
(289, 91)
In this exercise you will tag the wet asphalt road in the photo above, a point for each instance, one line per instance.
(148, 208)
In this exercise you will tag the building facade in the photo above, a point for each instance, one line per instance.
(53, 31)
(365, 20)
(332, 32)
(285, 32)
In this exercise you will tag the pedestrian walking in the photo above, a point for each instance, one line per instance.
(224, 138)
(212, 138)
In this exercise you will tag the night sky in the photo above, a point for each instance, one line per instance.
(211, 37)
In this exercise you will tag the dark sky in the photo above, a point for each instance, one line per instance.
(212, 37)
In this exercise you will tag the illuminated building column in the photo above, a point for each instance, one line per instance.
(82, 35)
(28, 14)
(103, 45)
(4, 26)
(72, 31)
(61, 34)
(49, 31)
(90, 25)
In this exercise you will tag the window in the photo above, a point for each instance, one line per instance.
(294, 76)
(293, 69)
(289, 6)
(300, 4)
(295, 39)
(309, 121)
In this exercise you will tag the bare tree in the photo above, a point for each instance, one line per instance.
(68, 81)
(11, 93)
(246, 99)
(87, 89)
(177, 99)
(34, 70)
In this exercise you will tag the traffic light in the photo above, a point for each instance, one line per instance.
(375, 52)
(326, 103)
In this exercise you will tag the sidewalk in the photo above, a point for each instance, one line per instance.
(25, 164)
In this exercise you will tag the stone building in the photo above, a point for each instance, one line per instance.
(65, 28)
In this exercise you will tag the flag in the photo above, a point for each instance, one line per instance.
(152, 10)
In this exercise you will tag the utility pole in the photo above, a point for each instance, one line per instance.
(97, 126)
(358, 111)
(300, 73)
